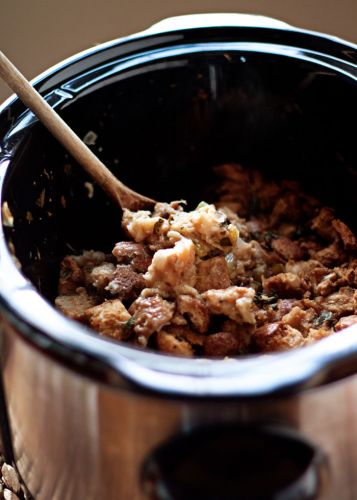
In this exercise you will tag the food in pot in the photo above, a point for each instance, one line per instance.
(266, 268)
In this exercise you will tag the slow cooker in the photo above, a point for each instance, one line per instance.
(84, 417)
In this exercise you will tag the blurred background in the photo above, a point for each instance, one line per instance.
(37, 34)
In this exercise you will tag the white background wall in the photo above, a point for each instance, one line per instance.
(39, 33)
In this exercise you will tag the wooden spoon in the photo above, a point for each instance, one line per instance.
(119, 193)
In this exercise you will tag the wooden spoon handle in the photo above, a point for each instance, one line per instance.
(119, 193)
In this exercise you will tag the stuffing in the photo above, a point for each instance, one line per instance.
(133, 254)
(109, 318)
(288, 249)
(195, 310)
(75, 305)
(265, 268)
(212, 274)
(234, 302)
(345, 322)
(150, 314)
(277, 337)
(101, 275)
(221, 344)
(125, 283)
(173, 267)
(140, 225)
(173, 344)
(285, 285)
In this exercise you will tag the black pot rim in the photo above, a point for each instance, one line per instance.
(69, 342)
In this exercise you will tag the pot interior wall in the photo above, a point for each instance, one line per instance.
(160, 128)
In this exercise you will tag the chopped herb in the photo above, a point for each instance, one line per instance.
(262, 298)
(324, 316)
(128, 326)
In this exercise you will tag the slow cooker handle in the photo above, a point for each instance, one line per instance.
(232, 462)
(213, 19)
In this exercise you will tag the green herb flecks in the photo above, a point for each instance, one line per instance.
(128, 326)
(324, 316)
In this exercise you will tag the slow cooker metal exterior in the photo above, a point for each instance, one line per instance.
(86, 418)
